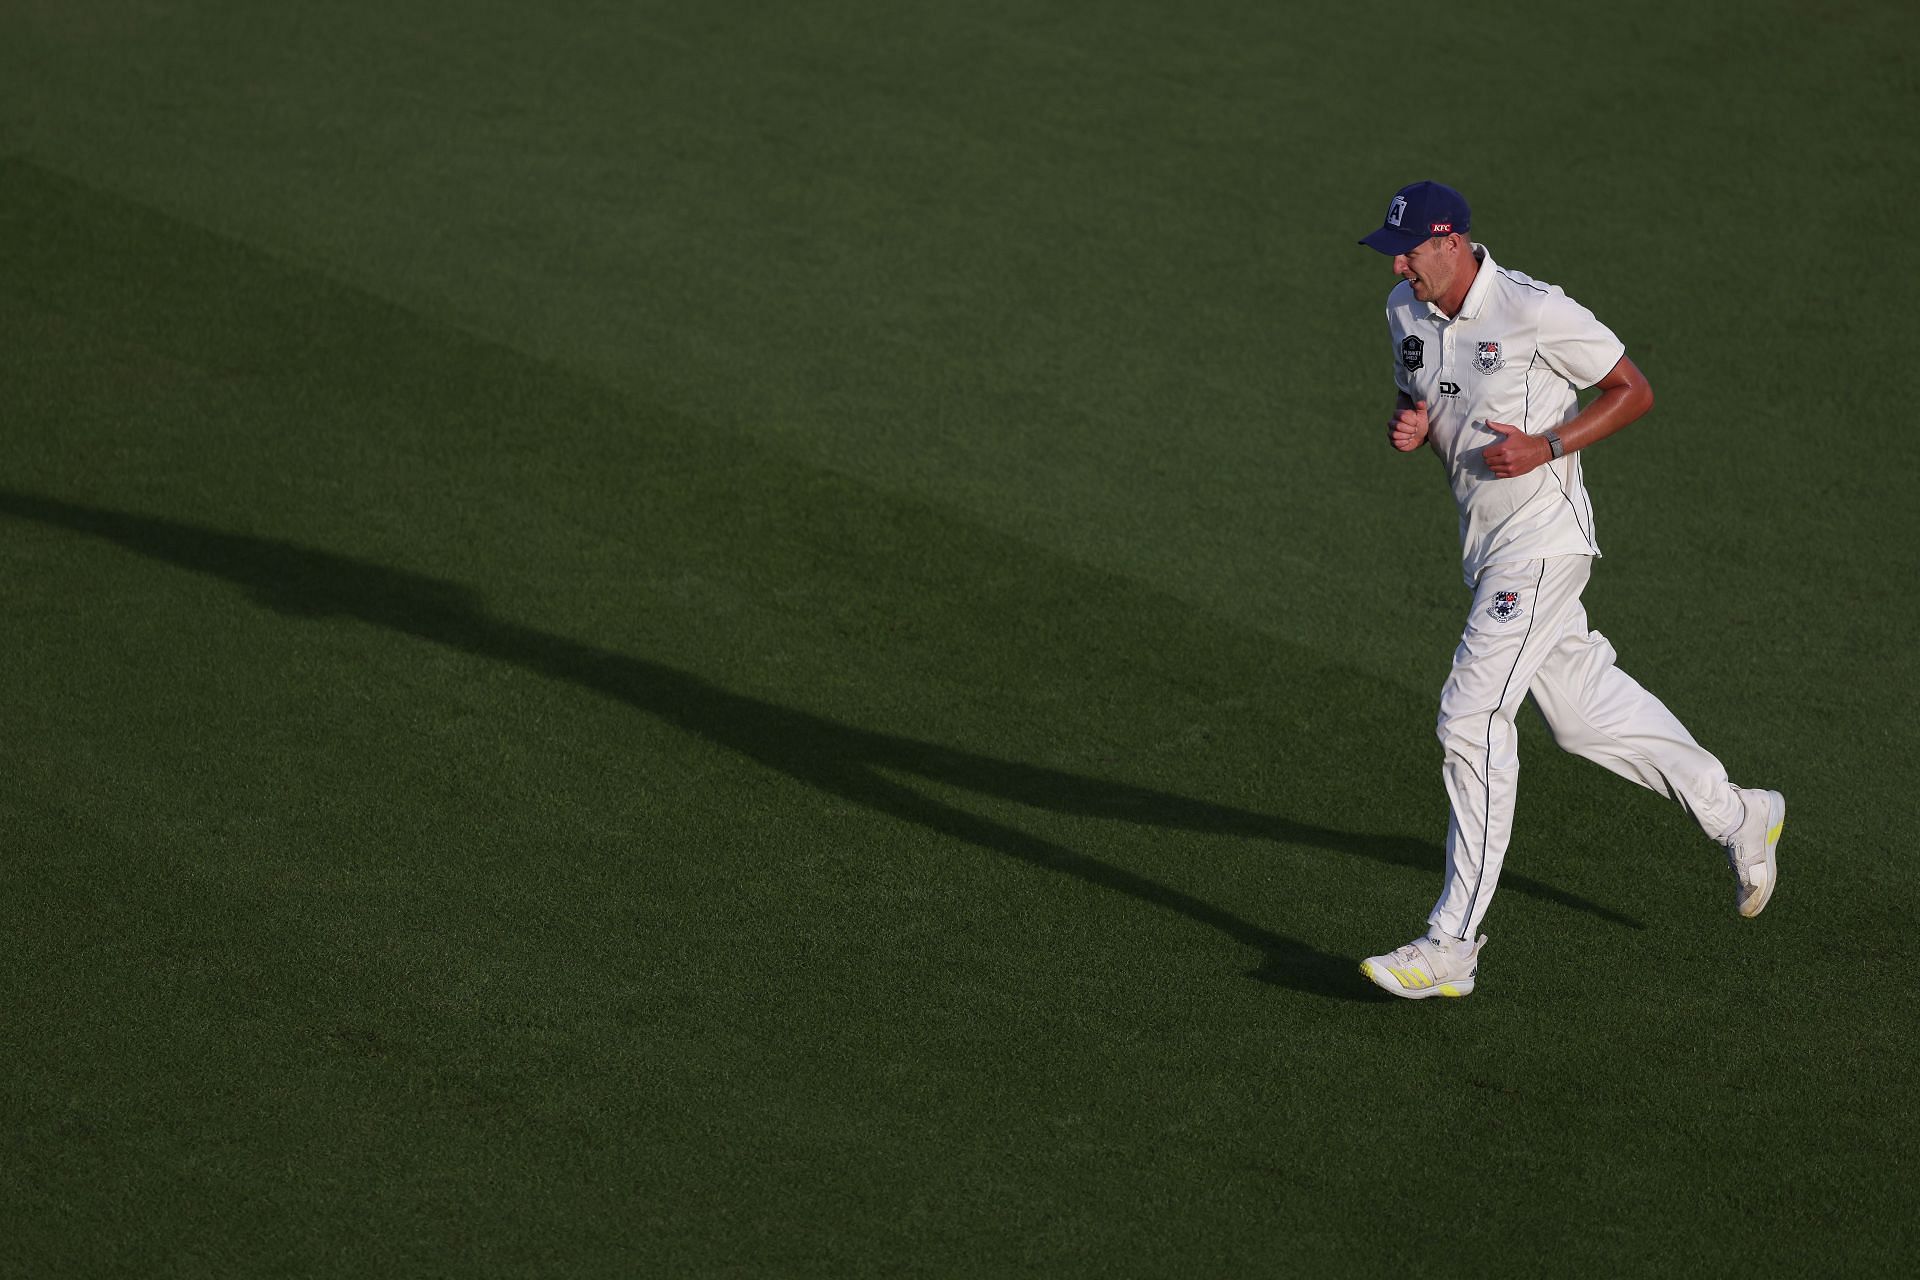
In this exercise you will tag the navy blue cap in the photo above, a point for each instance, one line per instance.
(1419, 213)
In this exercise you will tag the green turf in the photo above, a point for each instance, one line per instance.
(778, 640)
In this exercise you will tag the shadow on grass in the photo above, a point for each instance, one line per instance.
(833, 757)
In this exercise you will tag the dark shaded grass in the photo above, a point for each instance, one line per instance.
(758, 872)
(464, 819)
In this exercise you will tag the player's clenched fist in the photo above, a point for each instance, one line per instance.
(1408, 430)
(1515, 453)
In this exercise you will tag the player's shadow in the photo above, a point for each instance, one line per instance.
(836, 758)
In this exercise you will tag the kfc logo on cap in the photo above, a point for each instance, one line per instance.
(1442, 228)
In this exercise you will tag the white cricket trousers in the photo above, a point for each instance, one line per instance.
(1527, 634)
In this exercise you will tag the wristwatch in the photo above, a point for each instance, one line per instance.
(1553, 443)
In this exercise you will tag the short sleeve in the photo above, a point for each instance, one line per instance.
(1574, 344)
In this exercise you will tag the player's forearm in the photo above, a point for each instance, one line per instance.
(1625, 396)
(1610, 411)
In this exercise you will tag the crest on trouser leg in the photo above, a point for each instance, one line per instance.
(1505, 606)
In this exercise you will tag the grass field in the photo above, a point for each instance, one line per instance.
(778, 640)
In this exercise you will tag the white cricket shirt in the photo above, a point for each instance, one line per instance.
(1519, 352)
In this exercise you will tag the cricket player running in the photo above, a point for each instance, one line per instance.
(1489, 364)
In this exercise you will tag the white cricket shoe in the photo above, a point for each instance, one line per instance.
(1750, 849)
(1425, 967)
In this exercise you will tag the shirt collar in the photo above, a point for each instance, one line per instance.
(1477, 292)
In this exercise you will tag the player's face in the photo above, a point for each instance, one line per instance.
(1431, 267)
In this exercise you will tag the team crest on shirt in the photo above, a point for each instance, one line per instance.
(1487, 357)
(1505, 606)
(1413, 353)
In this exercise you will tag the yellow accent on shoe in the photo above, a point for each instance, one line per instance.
(1451, 990)
(1413, 979)
(1750, 899)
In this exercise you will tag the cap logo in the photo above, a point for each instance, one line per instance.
(1396, 211)
(1442, 229)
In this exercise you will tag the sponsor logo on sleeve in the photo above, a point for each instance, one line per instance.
(1413, 353)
